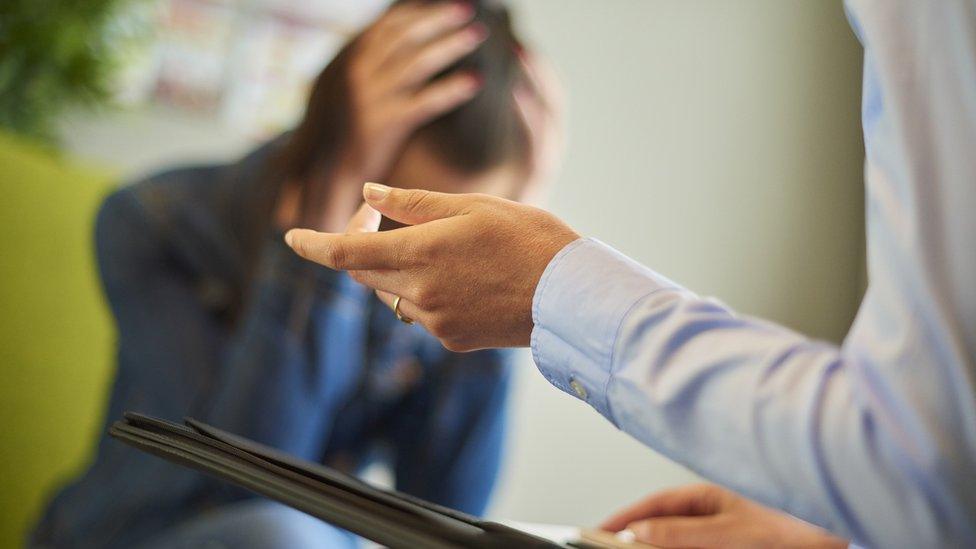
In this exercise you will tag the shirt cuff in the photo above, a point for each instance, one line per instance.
(582, 298)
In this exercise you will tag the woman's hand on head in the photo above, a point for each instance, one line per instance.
(389, 79)
(707, 516)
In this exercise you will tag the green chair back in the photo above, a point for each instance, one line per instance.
(56, 335)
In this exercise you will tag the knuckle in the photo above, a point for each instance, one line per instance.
(417, 200)
(424, 250)
(336, 256)
(424, 64)
(437, 327)
(455, 344)
(413, 293)
(414, 34)
(424, 298)
(483, 203)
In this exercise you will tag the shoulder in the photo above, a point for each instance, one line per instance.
(187, 218)
(153, 203)
(170, 215)
(198, 206)
(166, 195)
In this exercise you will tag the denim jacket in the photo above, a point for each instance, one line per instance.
(350, 386)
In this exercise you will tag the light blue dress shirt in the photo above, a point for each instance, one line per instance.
(875, 439)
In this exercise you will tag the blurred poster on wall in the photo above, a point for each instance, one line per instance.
(246, 63)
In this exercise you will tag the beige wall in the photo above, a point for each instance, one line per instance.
(718, 142)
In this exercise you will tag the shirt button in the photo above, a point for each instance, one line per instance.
(578, 388)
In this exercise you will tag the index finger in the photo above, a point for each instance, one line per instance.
(358, 251)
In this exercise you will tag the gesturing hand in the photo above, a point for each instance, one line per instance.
(466, 270)
(707, 516)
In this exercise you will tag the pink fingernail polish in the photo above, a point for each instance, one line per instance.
(477, 32)
(464, 10)
(520, 51)
(475, 80)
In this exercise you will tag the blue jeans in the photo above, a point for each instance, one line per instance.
(258, 524)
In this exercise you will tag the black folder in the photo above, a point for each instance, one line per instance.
(389, 518)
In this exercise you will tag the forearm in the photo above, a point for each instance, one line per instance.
(796, 424)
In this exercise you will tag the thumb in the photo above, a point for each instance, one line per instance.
(708, 531)
(415, 206)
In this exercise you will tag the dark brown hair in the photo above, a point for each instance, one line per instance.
(480, 134)
(477, 135)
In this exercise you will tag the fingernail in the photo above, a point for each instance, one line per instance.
(375, 191)
(475, 80)
(477, 33)
(626, 536)
(519, 50)
(463, 10)
(289, 237)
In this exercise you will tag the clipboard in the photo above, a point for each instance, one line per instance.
(390, 518)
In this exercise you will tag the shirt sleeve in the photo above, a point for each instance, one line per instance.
(794, 423)
(874, 439)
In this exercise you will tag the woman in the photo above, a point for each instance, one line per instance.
(254, 340)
